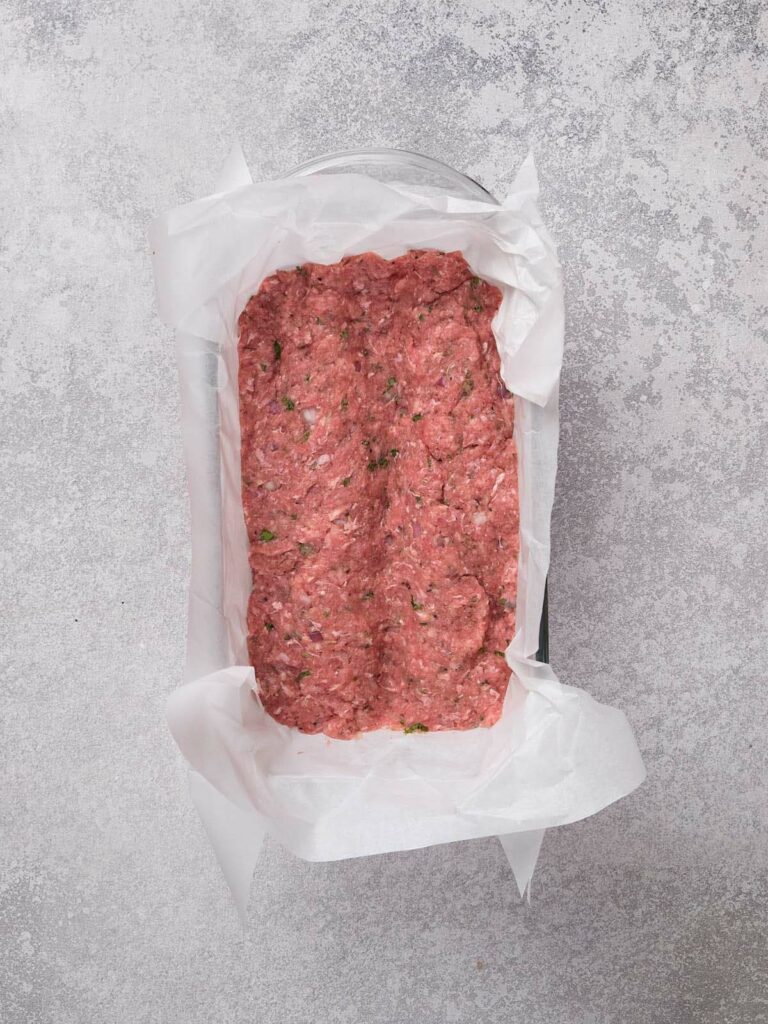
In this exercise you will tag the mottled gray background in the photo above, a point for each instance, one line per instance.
(648, 121)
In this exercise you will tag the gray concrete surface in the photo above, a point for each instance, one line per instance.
(649, 124)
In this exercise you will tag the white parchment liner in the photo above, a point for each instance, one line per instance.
(556, 755)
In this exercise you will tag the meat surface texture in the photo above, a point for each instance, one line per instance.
(379, 481)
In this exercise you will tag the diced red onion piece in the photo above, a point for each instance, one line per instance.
(316, 636)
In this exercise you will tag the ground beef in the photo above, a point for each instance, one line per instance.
(380, 495)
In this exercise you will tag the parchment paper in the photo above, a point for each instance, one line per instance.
(556, 755)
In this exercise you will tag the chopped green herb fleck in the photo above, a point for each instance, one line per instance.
(305, 436)
(417, 416)
(474, 282)
(367, 595)
(264, 367)
(266, 536)
(500, 654)
(288, 403)
(277, 348)
(415, 604)
(306, 549)
(506, 604)
(344, 403)
(318, 320)
(383, 461)
(366, 442)
(394, 452)
(269, 626)
(302, 270)
(478, 307)
(304, 674)
(421, 316)
(429, 462)
(391, 382)
(418, 499)
(416, 727)
(430, 308)
(308, 377)
(345, 333)
(468, 384)
(345, 481)
(373, 465)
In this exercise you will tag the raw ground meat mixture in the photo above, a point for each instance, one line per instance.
(380, 495)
